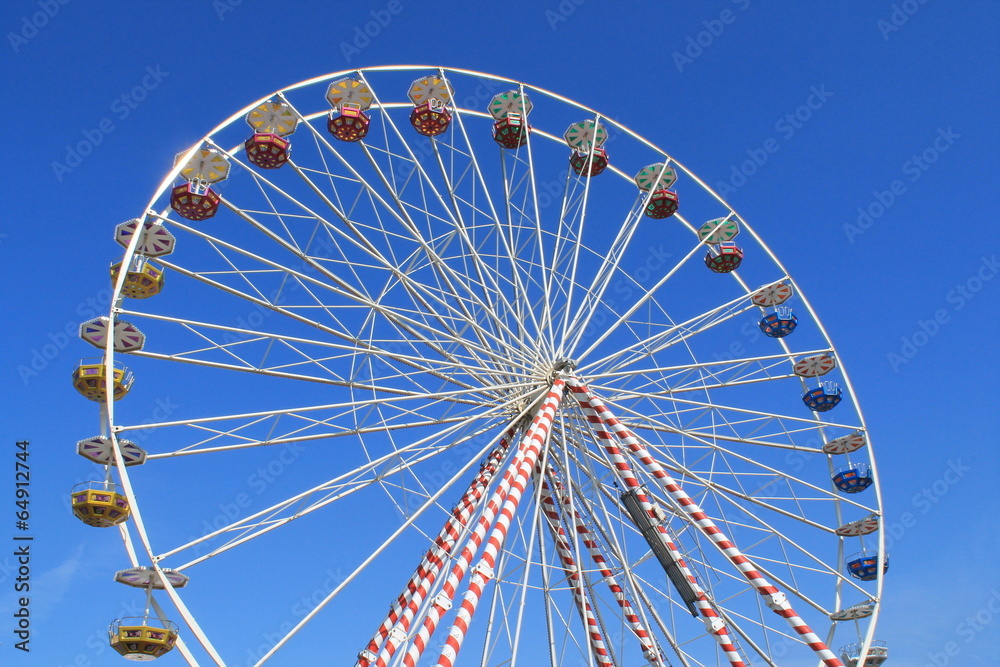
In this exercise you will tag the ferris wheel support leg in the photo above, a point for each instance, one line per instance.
(443, 601)
(483, 571)
(550, 509)
(402, 611)
(714, 623)
(776, 600)
(649, 649)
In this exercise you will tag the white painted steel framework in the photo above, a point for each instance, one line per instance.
(437, 351)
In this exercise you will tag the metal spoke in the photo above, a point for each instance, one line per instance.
(403, 291)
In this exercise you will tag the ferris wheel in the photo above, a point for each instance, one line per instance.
(441, 368)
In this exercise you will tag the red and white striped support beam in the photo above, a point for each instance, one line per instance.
(551, 511)
(483, 571)
(599, 415)
(432, 563)
(443, 601)
(714, 623)
(649, 649)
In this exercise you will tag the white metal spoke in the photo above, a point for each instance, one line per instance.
(377, 471)
(362, 317)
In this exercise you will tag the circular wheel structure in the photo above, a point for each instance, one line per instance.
(419, 382)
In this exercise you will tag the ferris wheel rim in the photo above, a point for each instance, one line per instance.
(130, 252)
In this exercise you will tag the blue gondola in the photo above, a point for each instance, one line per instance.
(853, 478)
(864, 565)
(779, 323)
(824, 397)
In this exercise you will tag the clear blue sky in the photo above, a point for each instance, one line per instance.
(872, 131)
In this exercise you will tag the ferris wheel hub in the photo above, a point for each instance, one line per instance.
(564, 365)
